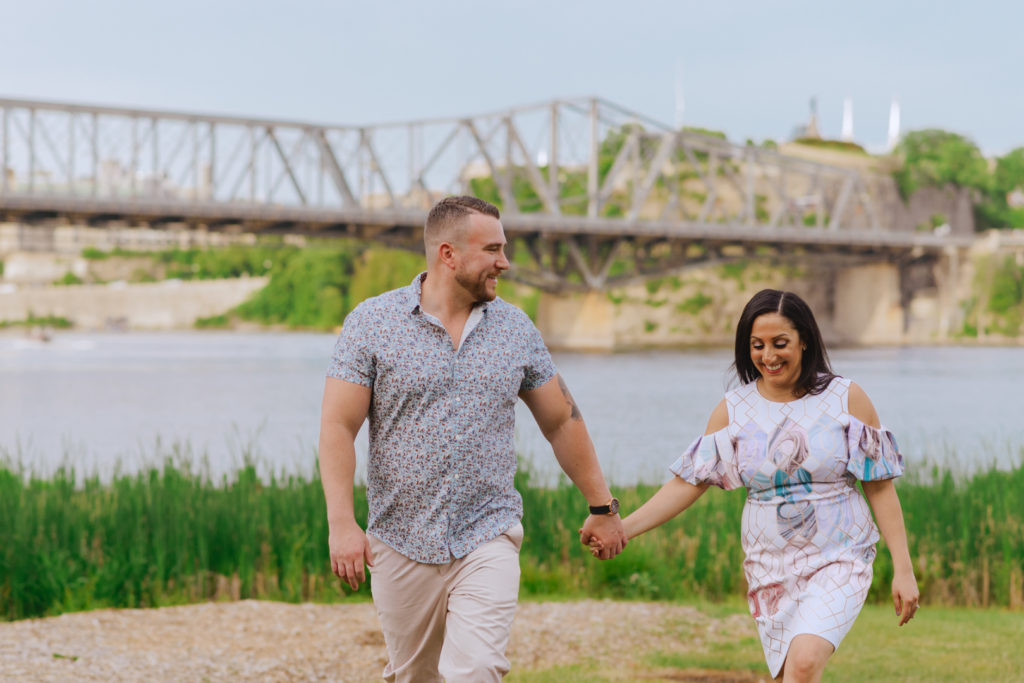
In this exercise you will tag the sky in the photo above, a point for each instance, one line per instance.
(747, 68)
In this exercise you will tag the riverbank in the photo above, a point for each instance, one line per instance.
(170, 534)
(970, 297)
(552, 642)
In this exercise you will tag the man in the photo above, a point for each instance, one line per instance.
(437, 367)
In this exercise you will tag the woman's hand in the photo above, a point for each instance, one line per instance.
(905, 596)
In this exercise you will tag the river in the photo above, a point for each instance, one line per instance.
(99, 402)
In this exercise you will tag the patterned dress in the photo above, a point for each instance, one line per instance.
(807, 532)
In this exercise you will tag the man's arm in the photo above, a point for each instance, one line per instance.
(561, 422)
(344, 408)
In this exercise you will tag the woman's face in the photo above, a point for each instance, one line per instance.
(776, 351)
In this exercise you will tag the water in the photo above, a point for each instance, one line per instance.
(101, 401)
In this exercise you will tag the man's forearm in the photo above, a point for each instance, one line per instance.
(337, 455)
(576, 456)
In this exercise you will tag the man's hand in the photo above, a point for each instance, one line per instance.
(349, 550)
(604, 534)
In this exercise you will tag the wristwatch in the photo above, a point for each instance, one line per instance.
(609, 508)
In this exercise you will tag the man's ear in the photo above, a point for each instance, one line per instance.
(446, 253)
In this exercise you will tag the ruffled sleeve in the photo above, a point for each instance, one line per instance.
(711, 459)
(874, 454)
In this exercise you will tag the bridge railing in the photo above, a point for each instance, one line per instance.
(566, 159)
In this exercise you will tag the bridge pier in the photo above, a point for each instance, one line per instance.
(581, 322)
(867, 305)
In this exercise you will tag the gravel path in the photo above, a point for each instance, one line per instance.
(268, 641)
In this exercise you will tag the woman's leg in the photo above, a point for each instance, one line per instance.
(808, 654)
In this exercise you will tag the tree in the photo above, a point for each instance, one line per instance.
(1007, 177)
(1009, 173)
(936, 158)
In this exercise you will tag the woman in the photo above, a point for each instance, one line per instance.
(798, 437)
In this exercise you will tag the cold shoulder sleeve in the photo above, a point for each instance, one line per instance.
(711, 459)
(874, 454)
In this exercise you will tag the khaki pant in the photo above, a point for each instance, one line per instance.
(449, 621)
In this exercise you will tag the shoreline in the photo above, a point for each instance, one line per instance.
(20, 329)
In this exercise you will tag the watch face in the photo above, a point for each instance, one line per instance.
(613, 507)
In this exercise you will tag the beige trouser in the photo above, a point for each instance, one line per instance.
(449, 621)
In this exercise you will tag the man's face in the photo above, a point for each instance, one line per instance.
(480, 258)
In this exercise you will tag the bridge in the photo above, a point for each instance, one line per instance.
(591, 193)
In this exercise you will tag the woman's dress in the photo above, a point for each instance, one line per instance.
(807, 532)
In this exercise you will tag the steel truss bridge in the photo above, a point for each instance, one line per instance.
(591, 193)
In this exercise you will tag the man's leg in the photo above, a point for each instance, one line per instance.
(483, 589)
(410, 598)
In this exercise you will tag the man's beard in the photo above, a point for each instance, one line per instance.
(476, 287)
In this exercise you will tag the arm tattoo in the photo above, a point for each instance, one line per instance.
(576, 414)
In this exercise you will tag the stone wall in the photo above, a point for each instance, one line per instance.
(172, 304)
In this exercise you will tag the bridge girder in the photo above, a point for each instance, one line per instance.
(584, 185)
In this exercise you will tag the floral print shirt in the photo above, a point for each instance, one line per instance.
(442, 457)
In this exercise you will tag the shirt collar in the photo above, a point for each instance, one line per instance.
(415, 291)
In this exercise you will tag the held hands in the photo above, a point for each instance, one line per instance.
(604, 534)
(905, 596)
(349, 550)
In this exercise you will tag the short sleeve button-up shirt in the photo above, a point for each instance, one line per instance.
(442, 456)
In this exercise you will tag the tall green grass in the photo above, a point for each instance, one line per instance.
(171, 533)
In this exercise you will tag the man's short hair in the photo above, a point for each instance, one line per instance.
(448, 216)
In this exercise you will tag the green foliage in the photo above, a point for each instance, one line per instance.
(68, 279)
(221, 262)
(995, 211)
(486, 189)
(1007, 286)
(694, 304)
(161, 536)
(936, 158)
(54, 321)
(654, 284)
(838, 145)
(735, 270)
(94, 254)
(214, 322)
(308, 288)
(706, 131)
(379, 270)
(1009, 172)
(998, 307)
(171, 533)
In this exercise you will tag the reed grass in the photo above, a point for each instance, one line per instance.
(171, 533)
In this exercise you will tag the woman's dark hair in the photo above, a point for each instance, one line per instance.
(815, 369)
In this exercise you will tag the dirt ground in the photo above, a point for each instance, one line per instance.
(267, 641)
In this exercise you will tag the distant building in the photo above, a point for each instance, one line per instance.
(847, 134)
(894, 126)
(811, 129)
